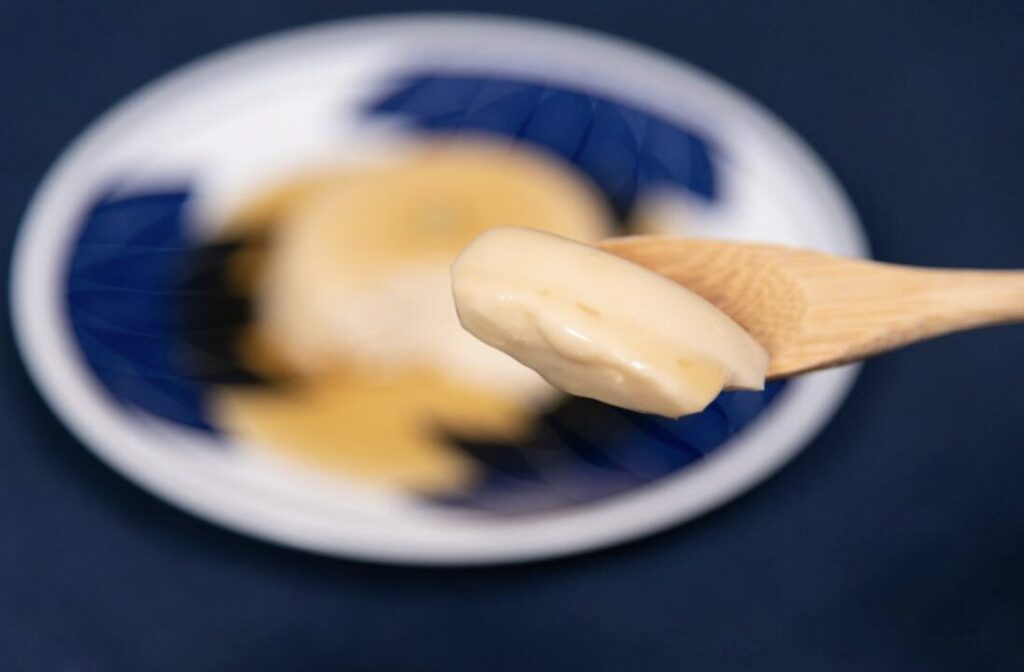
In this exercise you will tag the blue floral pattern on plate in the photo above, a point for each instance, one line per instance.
(623, 149)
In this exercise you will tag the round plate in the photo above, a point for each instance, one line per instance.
(146, 181)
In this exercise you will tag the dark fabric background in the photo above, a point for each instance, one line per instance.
(895, 542)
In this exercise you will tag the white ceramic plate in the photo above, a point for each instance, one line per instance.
(206, 133)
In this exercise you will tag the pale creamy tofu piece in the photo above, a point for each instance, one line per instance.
(598, 326)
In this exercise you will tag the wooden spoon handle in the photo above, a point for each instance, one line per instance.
(857, 309)
(812, 310)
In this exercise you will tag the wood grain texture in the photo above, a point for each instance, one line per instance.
(813, 311)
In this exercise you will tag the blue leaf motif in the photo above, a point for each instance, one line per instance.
(623, 149)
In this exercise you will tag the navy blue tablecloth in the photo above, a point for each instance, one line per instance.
(895, 542)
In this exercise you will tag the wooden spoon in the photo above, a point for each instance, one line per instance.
(812, 311)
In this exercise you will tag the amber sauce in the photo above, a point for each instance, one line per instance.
(390, 427)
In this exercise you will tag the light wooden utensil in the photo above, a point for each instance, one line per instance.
(812, 311)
